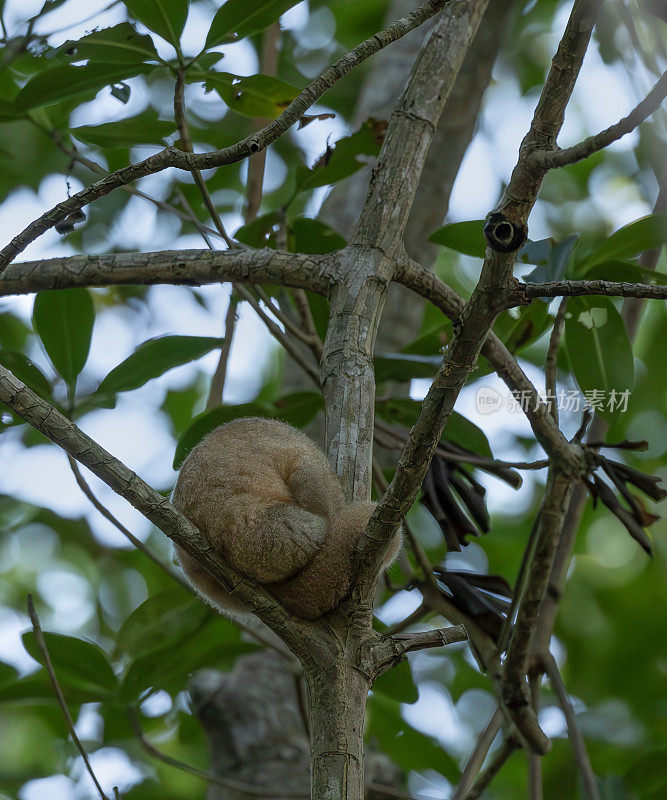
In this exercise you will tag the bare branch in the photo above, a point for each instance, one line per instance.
(588, 778)
(545, 160)
(412, 126)
(650, 291)
(431, 287)
(389, 651)
(528, 597)
(496, 763)
(186, 144)
(308, 323)
(478, 755)
(219, 376)
(551, 366)
(279, 336)
(41, 643)
(256, 142)
(183, 267)
(257, 162)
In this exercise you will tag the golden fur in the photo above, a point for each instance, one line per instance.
(269, 503)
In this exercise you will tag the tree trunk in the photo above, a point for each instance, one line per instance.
(337, 712)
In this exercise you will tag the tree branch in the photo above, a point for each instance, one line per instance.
(478, 755)
(573, 730)
(411, 128)
(389, 651)
(254, 143)
(41, 643)
(488, 299)
(530, 291)
(182, 267)
(220, 375)
(496, 763)
(436, 291)
(551, 365)
(348, 379)
(527, 601)
(544, 159)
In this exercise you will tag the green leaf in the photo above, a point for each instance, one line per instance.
(119, 44)
(254, 96)
(160, 621)
(459, 429)
(343, 160)
(464, 237)
(409, 748)
(313, 236)
(462, 431)
(23, 368)
(627, 271)
(60, 83)
(261, 232)
(519, 331)
(397, 684)
(598, 346)
(64, 322)
(400, 367)
(77, 663)
(145, 128)
(210, 420)
(236, 19)
(164, 17)
(155, 357)
(557, 261)
(643, 234)
(168, 670)
(298, 408)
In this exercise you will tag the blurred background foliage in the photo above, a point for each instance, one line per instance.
(77, 88)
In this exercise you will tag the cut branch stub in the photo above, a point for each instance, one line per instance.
(503, 235)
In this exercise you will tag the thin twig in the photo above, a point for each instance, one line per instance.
(307, 321)
(186, 144)
(535, 785)
(41, 643)
(104, 511)
(496, 763)
(479, 754)
(98, 169)
(416, 616)
(278, 334)
(588, 778)
(257, 162)
(220, 375)
(281, 316)
(551, 366)
(543, 159)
